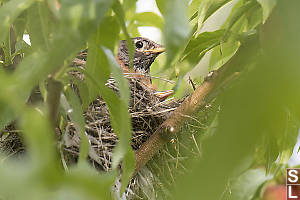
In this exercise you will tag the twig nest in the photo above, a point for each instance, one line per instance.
(147, 114)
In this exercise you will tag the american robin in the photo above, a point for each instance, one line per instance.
(144, 55)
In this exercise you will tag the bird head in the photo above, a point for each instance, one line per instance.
(145, 52)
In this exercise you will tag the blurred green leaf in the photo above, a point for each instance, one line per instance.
(99, 65)
(7, 51)
(271, 152)
(109, 32)
(123, 151)
(234, 26)
(118, 9)
(96, 66)
(205, 9)
(161, 6)
(95, 185)
(21, 47)
(9, 12)
(247, 184)
(73, 108)
(83, 16)
(148, 19)
(83, 90)
(39, 25)
(267, 6)
(176, 30)
(39, 65)
(129, 6)
(194, 7)
(19, 24)
(233, 139)
(41, 145)
(7, 115)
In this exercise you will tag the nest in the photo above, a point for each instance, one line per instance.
(146, 110)
(147, 113)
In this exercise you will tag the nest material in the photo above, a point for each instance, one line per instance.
(146, 110)
(147, 114)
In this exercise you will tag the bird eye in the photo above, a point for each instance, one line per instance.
(139, 44)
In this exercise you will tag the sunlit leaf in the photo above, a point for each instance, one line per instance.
(161, 6)
(148, 19)
(193, 7)
(205, 9)
(267, 6)
(197, 47)
(247, 184)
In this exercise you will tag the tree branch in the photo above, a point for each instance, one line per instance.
(53, 100)
(213, 84)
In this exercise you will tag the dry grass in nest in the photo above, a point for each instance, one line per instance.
(147, 114)
(146, 110)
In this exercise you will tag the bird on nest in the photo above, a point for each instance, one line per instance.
(145, 52)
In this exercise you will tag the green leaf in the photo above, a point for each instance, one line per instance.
(83, 16)
(9, 12)
(221, 54)
(118, 9)
(6, 115)
(237, 15)
(197, 47)
(39, 25)
(272, 152)
(235, 25)
(109, 32)
(247, 184)
(83, 90)
(123, 150)
(148, 19)
(129, 5)
(161, 6)
(267, 6)
(74, 27)
(96, 66)
(41, 145)
(202, 12)
(99, 65)
(205, 9)
(93, 184)
(176, 29)
(73, 108)
(193, 7)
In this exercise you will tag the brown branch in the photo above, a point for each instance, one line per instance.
(207, 91)
(53, 100)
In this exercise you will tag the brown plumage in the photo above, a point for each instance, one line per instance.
(145, 53)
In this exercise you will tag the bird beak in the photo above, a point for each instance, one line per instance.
(157, 50)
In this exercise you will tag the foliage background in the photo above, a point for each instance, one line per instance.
(253, 133)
